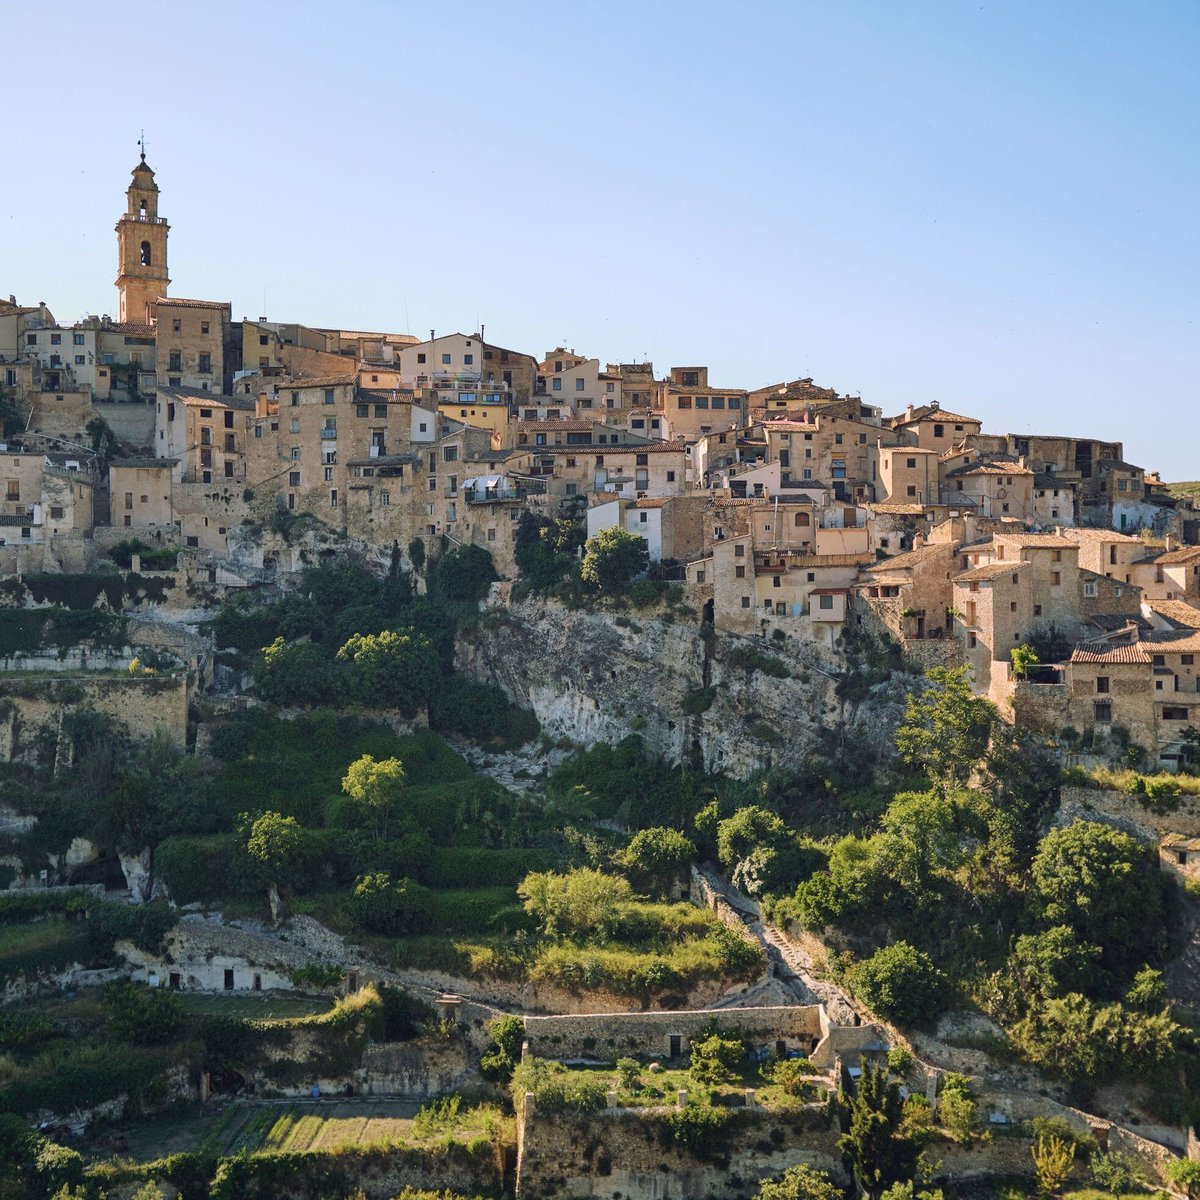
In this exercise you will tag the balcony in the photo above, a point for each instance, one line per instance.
(770, 568)
(328, 435)
(503, 492)
(142, 219)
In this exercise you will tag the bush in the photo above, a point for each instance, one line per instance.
(699, 1129)
(381, 905)
(500, 1059)
(901, 984)
(716, 1059)
(557, 1089)
(142, 1015)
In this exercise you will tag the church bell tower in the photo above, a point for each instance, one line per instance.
(142, 247)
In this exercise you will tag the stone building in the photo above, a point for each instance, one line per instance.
(934, 428)
(141, 493)
(693, 408)
(141, 249)
(192, 338)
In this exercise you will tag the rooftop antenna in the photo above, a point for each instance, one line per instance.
(142, 145)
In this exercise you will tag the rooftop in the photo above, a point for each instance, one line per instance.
(178, 302)
(1104, 652)
(988, 571)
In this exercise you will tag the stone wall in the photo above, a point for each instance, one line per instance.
(651, 1034)
(629, 1152)
(145, 704)
(1180, 816)
(416, 1070)
(132, 423)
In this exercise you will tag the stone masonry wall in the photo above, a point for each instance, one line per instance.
(647, 1033)
(629, 1152)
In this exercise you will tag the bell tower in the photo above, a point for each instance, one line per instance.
(142, 247)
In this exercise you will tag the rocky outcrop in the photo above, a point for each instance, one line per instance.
(593, 676)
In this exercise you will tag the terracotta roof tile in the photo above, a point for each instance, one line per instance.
(1179, 612)
(179, 302)
(988, 571)
(1103, 652)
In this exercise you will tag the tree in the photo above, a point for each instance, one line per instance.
(377, 787)
(715, 1059)
(877, 1150)
(578, 903)
(1023, 657)
(613, 559)
(1102, 884)
(799, 1183)
(142, 1015)
(919, 838)
(501, 1057)
(1115, 1172)
(393, 669)
(658, 858)
(957, 1109)
(463, 575)
(383, 905)
(629, 1074)
(1052, 1161)
(901, 984)
(303, 673)
(1184, 1173)
(946, 729)
(276, 843)
(761, 854)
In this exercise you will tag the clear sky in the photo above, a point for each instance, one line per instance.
(990, 205)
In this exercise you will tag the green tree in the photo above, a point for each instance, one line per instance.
(276, 844)
(393, 669)
(760, 852)
(383, 905)
(302, 673)
(715, 1059)
(1184, 1173)
(1102, 884)
(901, 984)
(657, 858)
(875, 1145)
(919, 838)
(377, 787)
(946, 728)
(1023, 657)
(582, 902)
(142, 1015)
(799, 1183)
(502, 1055)
(613, 559)
(1053, 1158)
(463, 575)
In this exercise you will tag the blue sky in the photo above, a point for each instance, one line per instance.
(989, 205)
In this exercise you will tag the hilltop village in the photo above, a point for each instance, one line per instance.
(426, 764)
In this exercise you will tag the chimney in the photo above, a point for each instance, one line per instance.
(260, 405)
(918, 541)
(1168, 543)
(908, 413)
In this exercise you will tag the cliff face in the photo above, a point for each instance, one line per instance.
(598, 676)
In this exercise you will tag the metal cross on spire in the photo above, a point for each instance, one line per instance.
(142, 145)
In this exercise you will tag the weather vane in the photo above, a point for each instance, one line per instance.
(142, 145)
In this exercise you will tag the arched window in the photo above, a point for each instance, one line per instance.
(146, 254)
(142, 209)
(801, 519)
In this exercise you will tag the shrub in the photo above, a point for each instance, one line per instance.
(382, 905)
(557, 1089)
(716, 1059)
(699, 1129)
(793, 1075)
(500, 1060)
(901, 984)
(1115, 1172)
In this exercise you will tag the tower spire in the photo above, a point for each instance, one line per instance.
(142, 145)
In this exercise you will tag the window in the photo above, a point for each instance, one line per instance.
(329, 395)
(670, 476)
(685, 402)
(78, 339)
(258, 431)
(263, 340)
(295, 425)
(579, 385)
(734, 402)
(837, 439)
(556, 385)
(745, 601)
(450, 454)
(468, 360)
(1056, 556)
(1102, 711)
(204, 328)
(911, 490)
(911, 463)
(1171, 713)
(740, 571)
(644, 518)
(381, 411)
(295, 454)
(293, 479)
(175, 361)
(56, 513)
(176, 325)
(826, 602)
(939, 431)
(1037, 610)
(295, 399)
(328, 474)
(1102, 685)
(362, 410)
(739, 551)
(718, 402)
(1055, 578)
(1187, 660)
(445, 360)
(1089, 591)
(333, 498)
(80, 359)
(701, 401)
